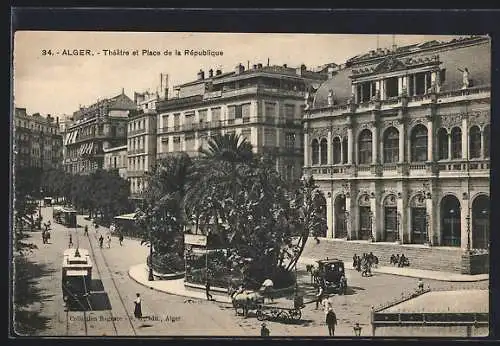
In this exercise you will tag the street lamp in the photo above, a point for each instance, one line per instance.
(346, 220)
(427, 224)
(357, 329)
(452, 212)
(485, 223)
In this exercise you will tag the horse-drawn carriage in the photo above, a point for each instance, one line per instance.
(255, 301)
(330, 275)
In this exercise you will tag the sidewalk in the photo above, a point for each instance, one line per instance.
(418, 273)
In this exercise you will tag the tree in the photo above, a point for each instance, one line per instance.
(161, 218)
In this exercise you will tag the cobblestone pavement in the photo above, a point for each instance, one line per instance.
(174, 315)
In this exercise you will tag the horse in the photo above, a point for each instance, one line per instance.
(314, 272)
(246, 300)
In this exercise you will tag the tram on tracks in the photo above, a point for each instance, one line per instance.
(64, 216)
(76, 275)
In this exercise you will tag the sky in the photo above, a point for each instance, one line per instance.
(58, 84)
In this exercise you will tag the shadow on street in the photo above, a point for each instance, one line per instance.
(27, 297)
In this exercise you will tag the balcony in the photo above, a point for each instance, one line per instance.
(136, 132)
(136, 151)
(460, 167)
(134, 174)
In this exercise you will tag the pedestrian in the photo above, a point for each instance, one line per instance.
(264, 331)
(121, 239)
(108, 240)
(420, 285)
(207, 290)
(326, 304)
(138, 308)
(44, 239)
(101, 240)
(86, 230)
(319, 296)
(70, 245)
(331, 322)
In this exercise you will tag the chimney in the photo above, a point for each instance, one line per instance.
(285, 65)
(239, 68)
(201, 75)
(303, 67)
(57, 120)
(218, 72)
(123, 91)
(210, 73)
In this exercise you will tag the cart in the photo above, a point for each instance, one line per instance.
(278, 312)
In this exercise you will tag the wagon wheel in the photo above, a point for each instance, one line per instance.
(260, 315)
(295, 314)
(275, 313)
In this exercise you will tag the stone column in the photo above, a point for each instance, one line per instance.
(401, 219)
(402, 137)
(354, 92)
(464, 210)
(430, 219)
(373, 208)
(329, 158)
(449, 146)
(375, 145)
(465, 139)
(306, 146)
(382, 90)
(329, 215)
(351, 218)
(430, 140)
(350, 146)
(400, 85)
(342, 150)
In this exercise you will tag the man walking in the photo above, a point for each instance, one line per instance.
(108, 240)
(207, 290)
(86, 230)
(264, 331)
(101, 241)
(70, 245)
(121, 239)
(319, 296)
(331, 322)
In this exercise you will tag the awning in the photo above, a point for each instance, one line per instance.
(126, 217)
(77, 273)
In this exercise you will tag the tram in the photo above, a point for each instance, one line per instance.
(76, 274)
(64, 216)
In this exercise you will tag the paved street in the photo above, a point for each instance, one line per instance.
(112, 302)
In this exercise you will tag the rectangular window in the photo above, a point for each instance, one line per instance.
(238, 112)
(270, 110)
(270, 137)
(216, 114)
(391, 87)
(290, 112)
(290, 140)
(164, 120)
(189, 117)
(177, 117)
(202, 116)
(245, 110)
(189, 142)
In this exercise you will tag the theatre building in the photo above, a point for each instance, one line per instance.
(399, 142)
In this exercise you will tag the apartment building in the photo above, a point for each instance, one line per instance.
(264, 104)
(94, 128)
(37, 140)
(116, 159)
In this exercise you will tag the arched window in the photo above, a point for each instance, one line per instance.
(486, 140)
(365, 147)
(323, 151)
(336, 150)
(315, 152)
(419, 144)
(456, 143)
(345, 148)
(443, 144)
(391, 145)
(474, 142)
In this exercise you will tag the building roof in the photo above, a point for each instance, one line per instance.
(118, 102)
(475, 54)
(461, 301)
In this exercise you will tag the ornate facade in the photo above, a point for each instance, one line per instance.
(399, 142)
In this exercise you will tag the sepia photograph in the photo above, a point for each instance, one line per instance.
(189, 184)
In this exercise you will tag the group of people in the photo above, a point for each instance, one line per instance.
(364, 264)
(400, 261)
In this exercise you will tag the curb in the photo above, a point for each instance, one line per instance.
(171, 292)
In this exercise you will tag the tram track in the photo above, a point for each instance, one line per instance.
(99, 270)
